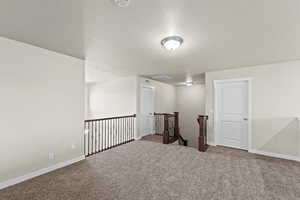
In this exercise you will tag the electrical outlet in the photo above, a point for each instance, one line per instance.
(73, 146)
(51, 156)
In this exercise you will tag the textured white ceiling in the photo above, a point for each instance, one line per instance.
(179, 79)
(218, 34)
(52, 24)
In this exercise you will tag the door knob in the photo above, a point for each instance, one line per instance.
(245, 119)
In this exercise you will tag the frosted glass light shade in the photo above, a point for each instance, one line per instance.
(171, 43)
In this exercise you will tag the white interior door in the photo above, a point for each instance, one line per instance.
(232, 114)
(147, 110)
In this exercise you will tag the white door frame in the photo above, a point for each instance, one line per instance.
(140, 107)
(216, 117)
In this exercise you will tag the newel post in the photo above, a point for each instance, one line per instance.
(176, 128)
(202, 120)
(166, 129)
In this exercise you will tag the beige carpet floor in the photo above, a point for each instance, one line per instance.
(153, 138)
(144, 170)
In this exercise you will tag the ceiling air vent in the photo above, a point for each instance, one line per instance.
(122, 3)
(162, 77)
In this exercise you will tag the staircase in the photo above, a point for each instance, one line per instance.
(167, 125)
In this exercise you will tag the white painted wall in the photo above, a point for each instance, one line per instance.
(164, 98)
(190, 102)
(121, 96)
(86, 101)
(42, 108)
(275, 105)
(116, 97)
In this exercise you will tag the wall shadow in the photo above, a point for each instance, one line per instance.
(281, 136)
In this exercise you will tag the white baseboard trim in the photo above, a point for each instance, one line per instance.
(39, 172)
(275, 155)
(138, 138)
(211, 144)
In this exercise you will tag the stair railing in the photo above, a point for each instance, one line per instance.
(167, 125)
(106, 133)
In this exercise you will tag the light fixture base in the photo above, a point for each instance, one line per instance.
(122, 3)
(172, 42)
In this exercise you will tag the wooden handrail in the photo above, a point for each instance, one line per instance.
(106, 133)
(162, 127)
(163, 114)
(166, 135)
(109, 118)
(167, 139)
(202, 140)
(182, 141)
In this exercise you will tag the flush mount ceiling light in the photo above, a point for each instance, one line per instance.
(171, 43)
(188, 83)
(122, 3)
